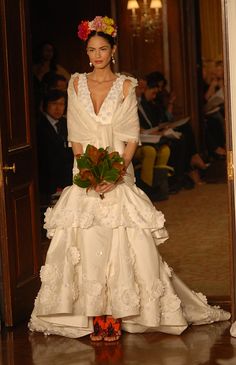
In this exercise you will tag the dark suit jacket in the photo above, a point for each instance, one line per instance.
(55, 158)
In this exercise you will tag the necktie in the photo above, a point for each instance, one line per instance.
(56, 125)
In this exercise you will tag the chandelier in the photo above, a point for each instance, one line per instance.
(145, 18)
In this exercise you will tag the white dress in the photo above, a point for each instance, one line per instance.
(103, 257)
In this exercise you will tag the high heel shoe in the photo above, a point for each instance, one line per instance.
(99, 323)
(112, 329)
(197, 162)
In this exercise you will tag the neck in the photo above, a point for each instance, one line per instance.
(101, 75)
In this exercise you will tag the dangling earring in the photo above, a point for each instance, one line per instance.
(113, 60)
(90, 64)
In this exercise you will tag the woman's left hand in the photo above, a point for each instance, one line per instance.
(105, 187)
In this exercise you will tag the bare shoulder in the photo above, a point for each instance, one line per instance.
(126, 87)
(75, 83)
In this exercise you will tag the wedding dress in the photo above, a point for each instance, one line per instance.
(103, 257)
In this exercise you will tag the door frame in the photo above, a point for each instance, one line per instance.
(229, 29)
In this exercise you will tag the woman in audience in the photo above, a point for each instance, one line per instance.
(46, 61)
(213, 101)
(160, 109)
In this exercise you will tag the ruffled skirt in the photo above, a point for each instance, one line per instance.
(103, 259)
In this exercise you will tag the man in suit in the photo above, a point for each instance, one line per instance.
(55, 158)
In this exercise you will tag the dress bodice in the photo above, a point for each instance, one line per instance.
(117, 121)
(112, 100)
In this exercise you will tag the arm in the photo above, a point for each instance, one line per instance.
(129, 152)
(77, 148)
(211, 89)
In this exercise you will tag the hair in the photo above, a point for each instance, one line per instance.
(50, 79)
(111, 40)
(219, 63)
(39, 51)
(154, 78)
(53, 95)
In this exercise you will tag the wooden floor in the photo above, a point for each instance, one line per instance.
(209, 344)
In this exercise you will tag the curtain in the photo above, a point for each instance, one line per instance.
(211, 32)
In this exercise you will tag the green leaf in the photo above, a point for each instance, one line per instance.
(111, 175)
(96, 173)
(87, 148)
(83, 163)
(81, 183)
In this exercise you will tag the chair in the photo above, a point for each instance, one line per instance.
(150, 159)
(152, 171)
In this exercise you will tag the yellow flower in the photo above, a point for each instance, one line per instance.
(108, 21)
(109, 30)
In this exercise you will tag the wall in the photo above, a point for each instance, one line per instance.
(52, 21)
(166, 54)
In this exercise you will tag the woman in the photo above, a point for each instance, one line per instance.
(102, 266)
(46, 61)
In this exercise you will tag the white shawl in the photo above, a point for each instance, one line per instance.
(83, 128)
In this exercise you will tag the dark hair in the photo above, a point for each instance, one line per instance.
(53, 95)
(111, 40)
(38, 54)
(49, 80)
(154, 78)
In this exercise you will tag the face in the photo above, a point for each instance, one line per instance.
(55, 109)
(47, 52)
(219, 72)
(141, 87)
(100, 52)
(151, 93)
(61, 85)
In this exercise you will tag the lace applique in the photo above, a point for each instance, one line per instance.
(75, 291)
(126, 299)
(93, 288)
(204, 313)
(170, 303)
(110, 213)
(50, 274)
(167, 269)
(109, 104)
(201, 296)
(73, 255)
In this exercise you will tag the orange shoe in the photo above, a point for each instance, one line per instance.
(112, 329)
(99, 328)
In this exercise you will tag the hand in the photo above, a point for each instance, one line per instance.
(172, 98)
(105, 187)
(214, 83)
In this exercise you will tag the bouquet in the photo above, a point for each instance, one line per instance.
(97, 166)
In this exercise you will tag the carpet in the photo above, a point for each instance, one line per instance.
(199, 245)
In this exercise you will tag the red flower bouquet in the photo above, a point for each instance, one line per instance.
(97, 166)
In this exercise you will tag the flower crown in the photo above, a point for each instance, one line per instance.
(99, 24)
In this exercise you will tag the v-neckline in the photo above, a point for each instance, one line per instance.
(106, 97)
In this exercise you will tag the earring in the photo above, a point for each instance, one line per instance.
(90, 64)
(113, 60)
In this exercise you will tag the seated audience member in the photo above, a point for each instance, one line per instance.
(213, 101)
(149, 116)
(45, 61)
(51, 80)
(55, 158)
(165, 104)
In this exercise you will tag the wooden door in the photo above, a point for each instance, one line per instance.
(19, 221)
